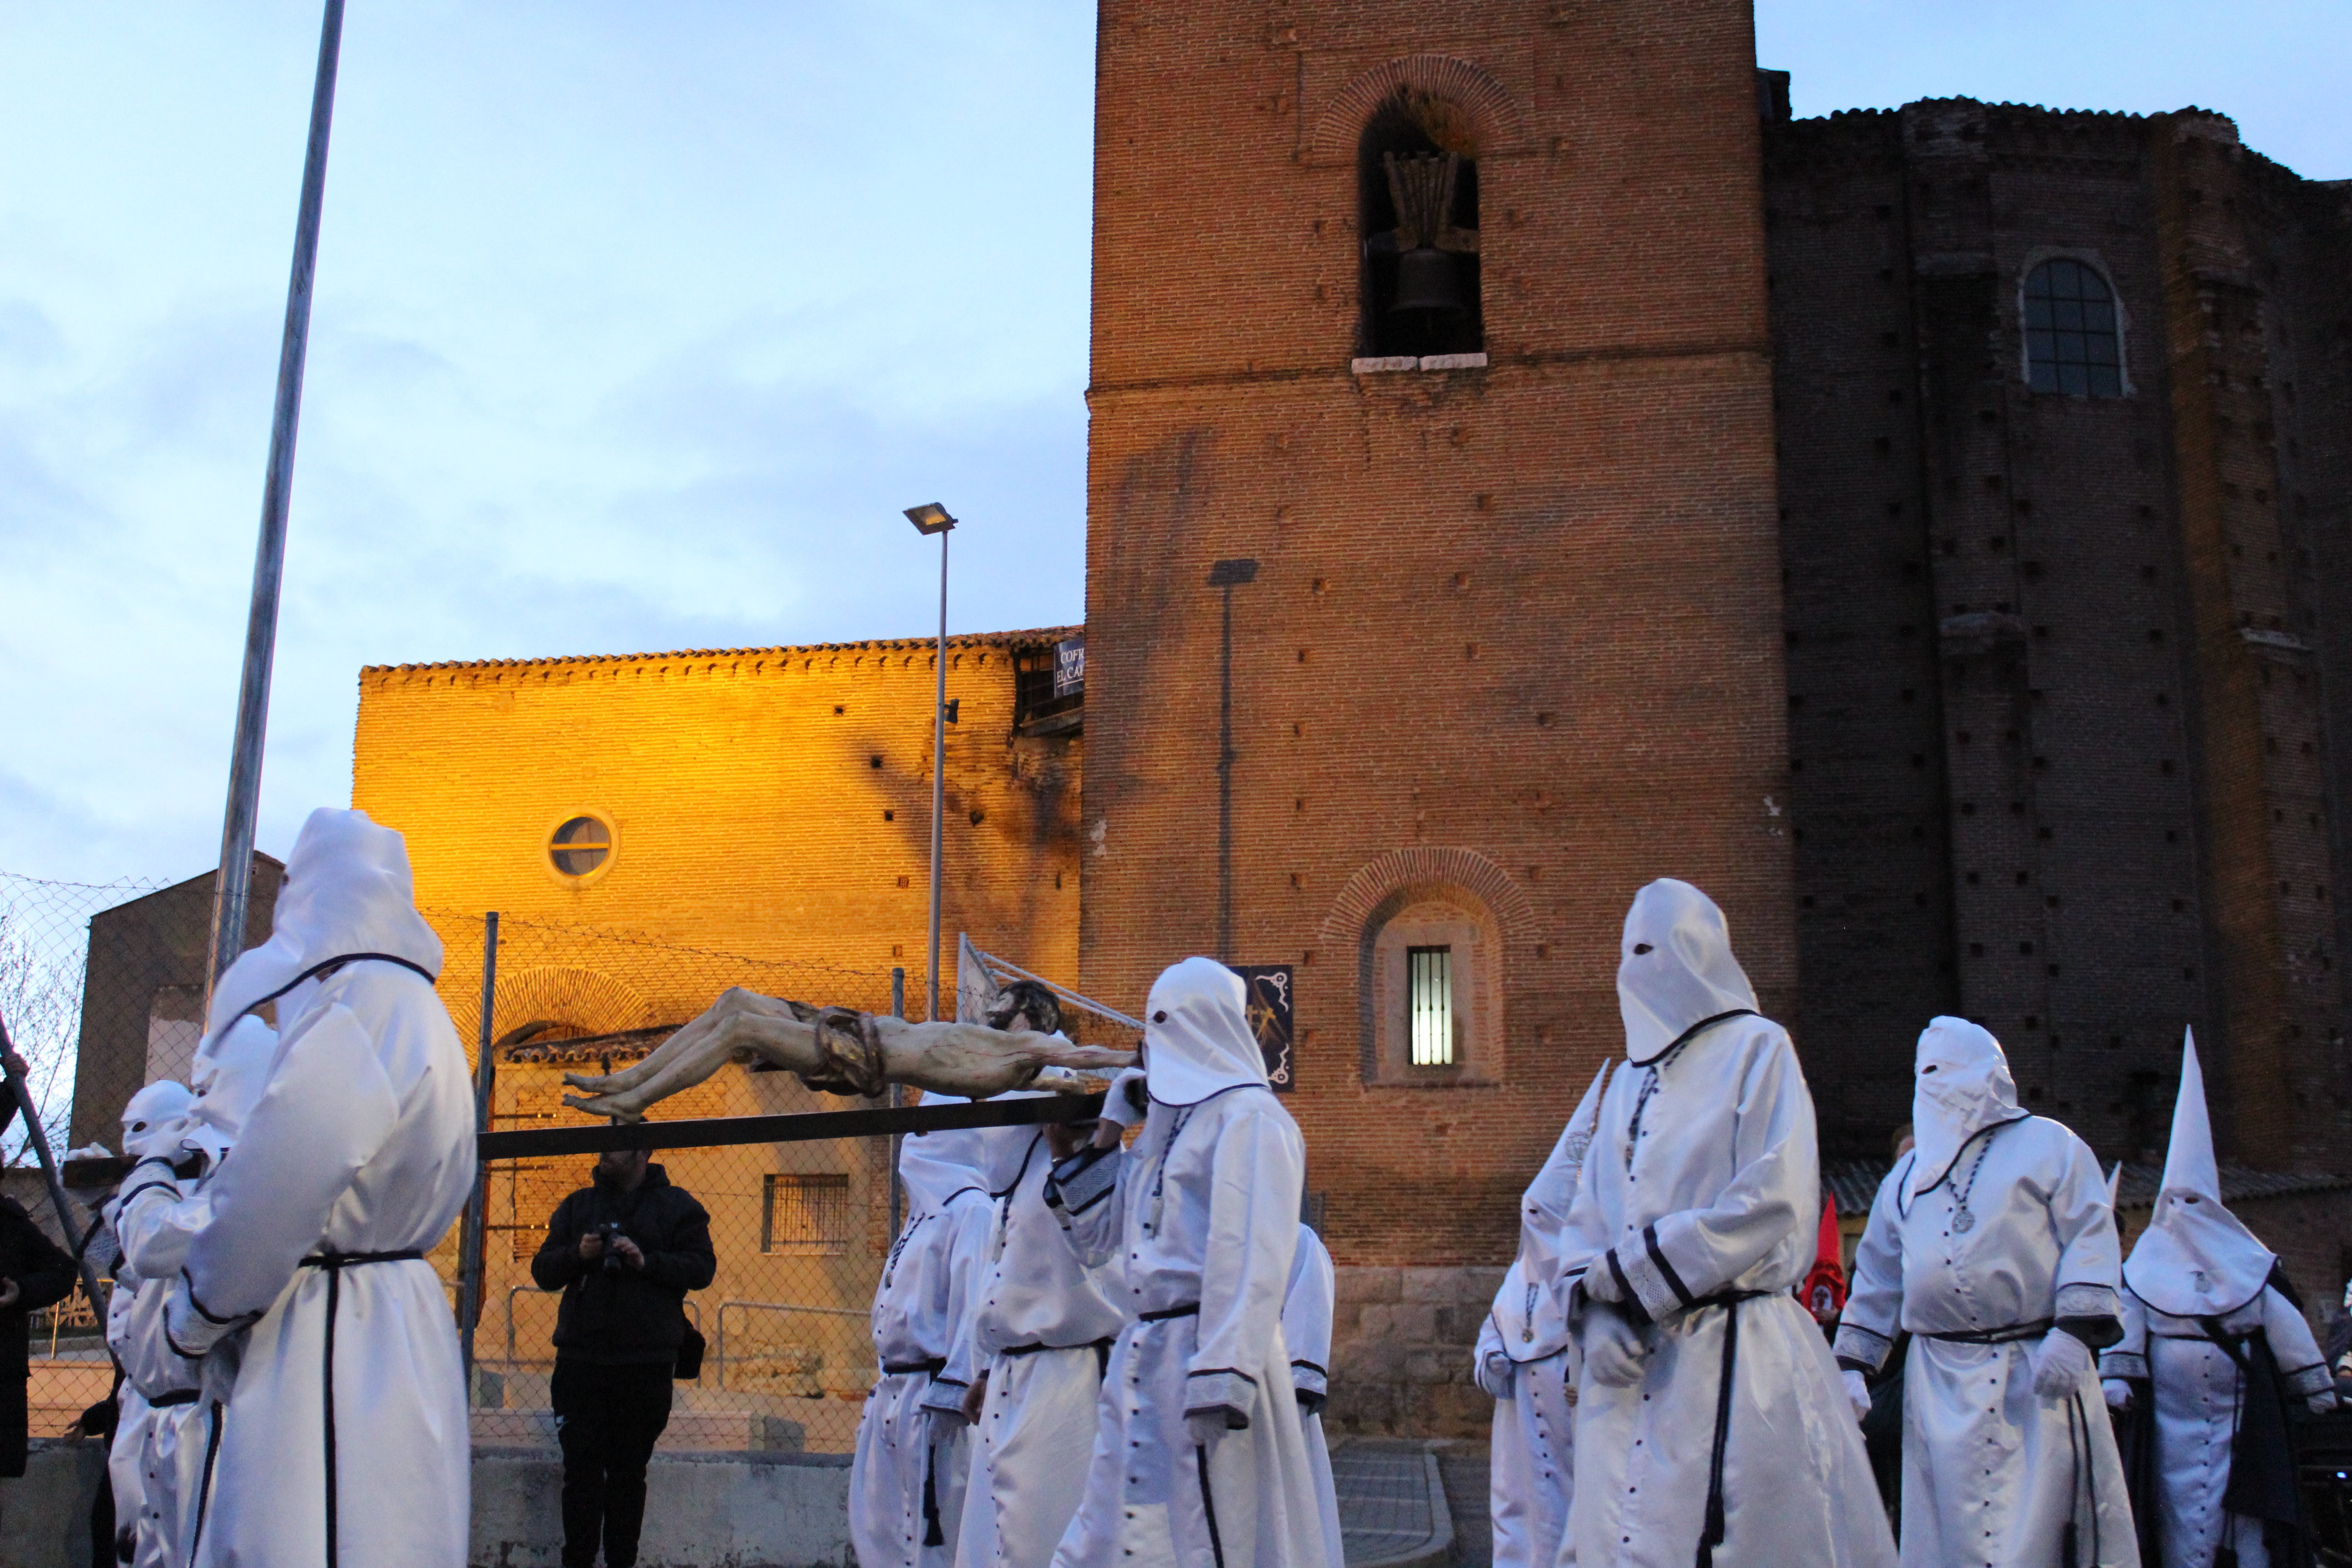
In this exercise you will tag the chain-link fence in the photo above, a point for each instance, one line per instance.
(101, 988)
(801, 1229)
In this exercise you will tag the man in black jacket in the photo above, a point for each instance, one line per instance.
(624, 1252)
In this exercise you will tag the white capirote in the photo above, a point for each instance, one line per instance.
(343, 1438)
(1199, 1457)
(1695, 1218)
(1979, 1262)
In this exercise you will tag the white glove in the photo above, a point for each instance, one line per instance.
(1494, 1375)
(2059, 1363)
(2117, 1391)
(1206, 1428)
(1118, 1103)
(1613, 1351)
(1601, 1282)
(1857, 1391)
(946, 1425)
(2323, 1402)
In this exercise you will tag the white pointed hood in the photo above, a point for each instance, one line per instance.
(1196, 1035)
(1543, 1210)
(1674, 969)
(2196, 1258)
(348, 892)
(1960, 1086)
(155, 1120)
(230, 1074)
(938, 1165)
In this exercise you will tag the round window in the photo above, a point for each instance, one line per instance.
(580, 845)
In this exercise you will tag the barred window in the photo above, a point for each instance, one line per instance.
(2073, 341)
(1429, 997)
(805, 1217)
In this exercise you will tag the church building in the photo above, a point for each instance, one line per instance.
(1525, 462)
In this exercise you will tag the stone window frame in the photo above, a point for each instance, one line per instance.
(2097, 263)
(596, 873)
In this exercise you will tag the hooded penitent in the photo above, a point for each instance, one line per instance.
(155, 1118)
(1693, 1222)
(1823, 1292)
(1200, 1222)
(1960, 1086)
(344, 1439)
(907, 1479)
(1674, 969)
(2196, 1258)
(231, 1071)
(1522, 1361)
(1993, 1245)
(1196, 1037)
(2216, 1358)
(347, 892)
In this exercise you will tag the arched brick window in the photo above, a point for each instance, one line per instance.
(2074, 333)
(1417, 209)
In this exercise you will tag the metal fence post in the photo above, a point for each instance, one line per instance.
(485, 1077)
(898, 1189)
(38, 1136)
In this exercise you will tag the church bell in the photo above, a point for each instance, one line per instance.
(1427, 279)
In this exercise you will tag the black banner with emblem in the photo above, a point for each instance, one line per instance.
(1268, 1007)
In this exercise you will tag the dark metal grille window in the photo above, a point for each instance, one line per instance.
(805, 1217)
(2072, 344)
(1429, 1004)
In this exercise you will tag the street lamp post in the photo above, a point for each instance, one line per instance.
(928, 520)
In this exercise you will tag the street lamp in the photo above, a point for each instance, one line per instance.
(928, 520)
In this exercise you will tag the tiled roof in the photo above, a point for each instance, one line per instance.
(1034, 635)
(1854, 1184)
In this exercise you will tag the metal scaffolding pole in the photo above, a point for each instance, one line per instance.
(234, 886)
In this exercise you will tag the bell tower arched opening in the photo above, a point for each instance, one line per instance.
(1417, 210)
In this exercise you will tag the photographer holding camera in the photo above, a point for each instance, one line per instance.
(624, 1252)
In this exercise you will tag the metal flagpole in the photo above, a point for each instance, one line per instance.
(485, 1081)
(234, 886)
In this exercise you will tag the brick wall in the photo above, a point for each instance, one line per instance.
(2083, 619)
(1523, 617)
(771, 802)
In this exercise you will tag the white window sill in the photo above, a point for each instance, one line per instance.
(1390, 362)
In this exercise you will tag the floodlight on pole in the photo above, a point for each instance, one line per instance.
(928, 520)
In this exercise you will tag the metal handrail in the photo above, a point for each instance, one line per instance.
(719, 1350)
(514, 1290)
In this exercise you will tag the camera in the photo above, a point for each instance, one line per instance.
(612, 1232)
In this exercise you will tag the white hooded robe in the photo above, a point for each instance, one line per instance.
(1307, 1333)
(907, 1492)
(155, 1215)
(1202, 1216)
(1042, 1329)
(1523, 1358)
(1702, 1192)
(2195, 1262)
(1992, 1473)
(344, 1439)
(152, 1124)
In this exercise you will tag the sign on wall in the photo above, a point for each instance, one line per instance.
(1268, 1008)
(1069, 665)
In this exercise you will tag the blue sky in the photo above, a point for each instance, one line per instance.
(635, 326)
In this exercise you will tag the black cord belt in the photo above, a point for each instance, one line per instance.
(177, 1396)
(934, 1366)
(1714, 1522)
(2001, 1336)
(1032, 1349)
(1189, 1310)
(335, 1260)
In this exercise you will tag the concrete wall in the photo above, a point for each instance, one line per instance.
(713, 1510)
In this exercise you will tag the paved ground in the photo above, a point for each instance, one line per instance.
(1464, 1467)
(1388, 1514)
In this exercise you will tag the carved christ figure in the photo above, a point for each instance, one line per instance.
(839, 1050)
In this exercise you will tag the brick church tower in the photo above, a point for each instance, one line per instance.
(1433, 591)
